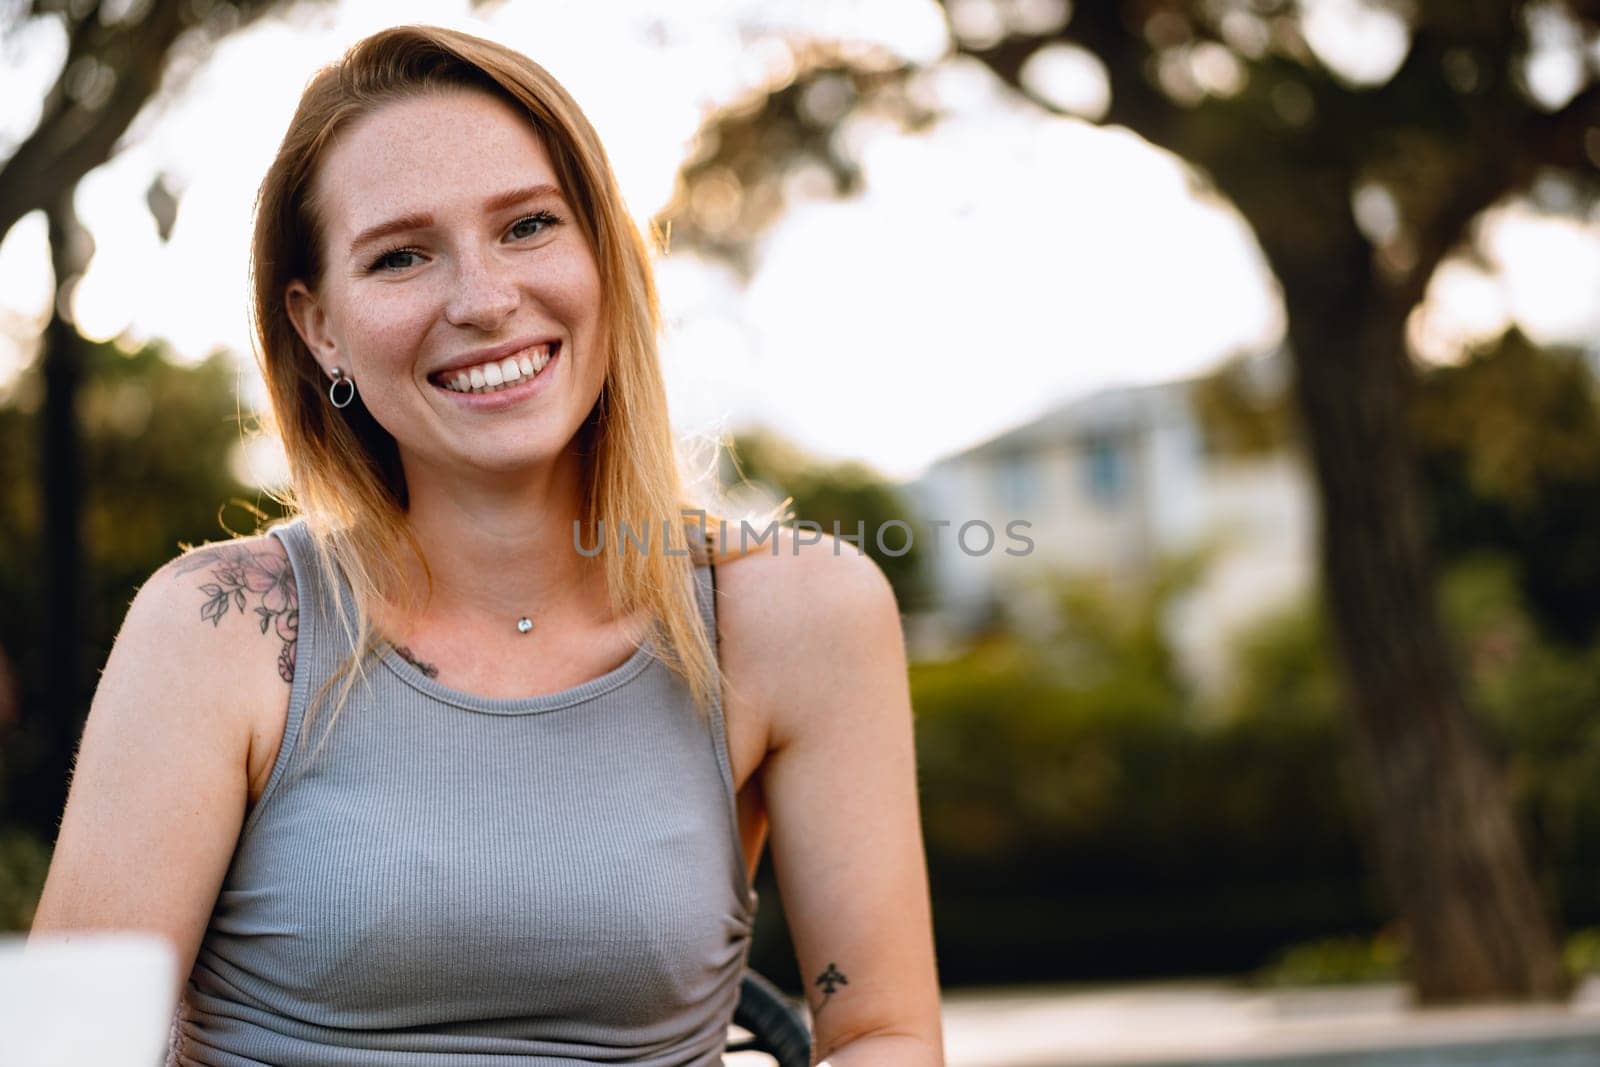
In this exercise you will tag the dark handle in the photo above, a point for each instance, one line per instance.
(779, 1030)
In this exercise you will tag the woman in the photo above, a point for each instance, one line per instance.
(541, 785)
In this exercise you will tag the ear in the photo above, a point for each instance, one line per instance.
(310, 320)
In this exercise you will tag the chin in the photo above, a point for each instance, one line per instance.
(521, 461)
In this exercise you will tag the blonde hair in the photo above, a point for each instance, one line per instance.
(345, 473)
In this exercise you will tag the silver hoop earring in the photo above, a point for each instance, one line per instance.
(340, 378)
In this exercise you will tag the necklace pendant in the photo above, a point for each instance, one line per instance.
(524, 624)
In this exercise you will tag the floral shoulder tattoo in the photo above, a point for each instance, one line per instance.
(257, 582)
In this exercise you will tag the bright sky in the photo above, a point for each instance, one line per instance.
(997, 264)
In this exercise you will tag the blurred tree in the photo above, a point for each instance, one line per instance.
(156, 445)
(1357, 184)
(117, 56)
(845, 493)
(1510, 447)
(1244, 409)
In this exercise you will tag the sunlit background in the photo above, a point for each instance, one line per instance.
(993, 265)
(1011, 311)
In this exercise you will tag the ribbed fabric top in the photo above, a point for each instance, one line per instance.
(459, 880)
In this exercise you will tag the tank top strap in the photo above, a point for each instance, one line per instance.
(704, 586)
(314, 654)
(322, 637)
(705, 575)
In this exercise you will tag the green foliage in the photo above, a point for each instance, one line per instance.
(1241, 414)
(1510, 448)
(1081, 809)
(1084, 812)
(24, 859)
(1509, 451)
(156, 441)
(156, 438)
(1351, 958)
(1382, 957)
(1536, 424)
(1583, 952)
(1537, 701)
(843, 493)
(1284, 674)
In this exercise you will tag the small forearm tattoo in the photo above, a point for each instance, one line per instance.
(411, 657)
(829, 980)
(246, 576)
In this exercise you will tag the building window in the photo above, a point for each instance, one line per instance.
(1017, 480)
(1104, 470)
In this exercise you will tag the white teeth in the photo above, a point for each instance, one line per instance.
(487, 377)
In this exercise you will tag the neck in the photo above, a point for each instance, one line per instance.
(503, 549)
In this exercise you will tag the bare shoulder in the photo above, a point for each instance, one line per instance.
(797, 614)
(243, 591)
(236, 608)
(163, 780)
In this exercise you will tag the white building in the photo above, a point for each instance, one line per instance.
(1112, 484)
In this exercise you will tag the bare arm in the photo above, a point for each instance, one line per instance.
(841, 792)
(161, 781)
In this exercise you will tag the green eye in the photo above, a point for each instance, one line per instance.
(544, 218)
(386, 261)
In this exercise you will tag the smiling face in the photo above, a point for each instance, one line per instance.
(451, 257)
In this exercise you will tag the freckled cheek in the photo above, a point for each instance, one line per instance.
(573, 294)
(388, 330)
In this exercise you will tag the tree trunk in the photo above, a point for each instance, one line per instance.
(58, 719)
(1440, 815)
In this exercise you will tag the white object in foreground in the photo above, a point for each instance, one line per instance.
(87, 999)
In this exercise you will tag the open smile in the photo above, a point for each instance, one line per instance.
(495, 383)
(500, 375)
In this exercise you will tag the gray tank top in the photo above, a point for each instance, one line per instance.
(459, 881)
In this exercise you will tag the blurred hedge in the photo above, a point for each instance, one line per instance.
(1096, 821)
(1086, 818)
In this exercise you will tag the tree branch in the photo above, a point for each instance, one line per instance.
(72, 139)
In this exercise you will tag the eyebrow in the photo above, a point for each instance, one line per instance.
(421, 220)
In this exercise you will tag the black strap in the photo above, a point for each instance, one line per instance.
(714, 632)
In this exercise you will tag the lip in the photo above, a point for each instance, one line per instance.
(484, 355)
(503, 398)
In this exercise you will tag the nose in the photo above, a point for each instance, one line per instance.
(485, 294)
